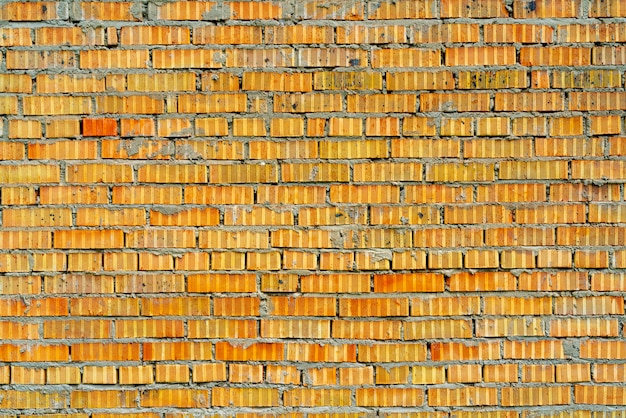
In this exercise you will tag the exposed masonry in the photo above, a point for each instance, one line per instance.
(331, 209)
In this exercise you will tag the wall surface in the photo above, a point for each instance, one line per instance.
(313, 209)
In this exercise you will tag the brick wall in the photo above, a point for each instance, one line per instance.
(313, 209)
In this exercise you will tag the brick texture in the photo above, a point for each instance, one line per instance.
(313, 208)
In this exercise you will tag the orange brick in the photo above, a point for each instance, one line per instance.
(63, 375)
(209, 372)
(538, 373)
(464, 373)
(432, 80)
(243, 373)
(435, 329)
(176, 398)
(454, 102)
(376, 330)
(501, 373)
(250, 397)
(354, 376)
(522, 33)
(489, 8)
(603, 373)
(394, 58)
(574, 373)
(556, 395)
(489, 55)
(22, 60)
(335, 283)
(546, 9)
(100, 375)
(557, 55)
(129, 375)
(389, 397)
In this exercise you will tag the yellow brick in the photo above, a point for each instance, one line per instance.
(25, 174)
(558, 55)
(15, 83)
(209, 372)
(364, 194)
(454, 102)
(382, 103)
(24, 129)
(100, 375)
(382, 126)
(114, 59)
(62, 128)
(468, 172)
(457, 127)
(260, 58)
(286, 82)
(530, 126)
(488, 148)
(234, 239)
(63, 375)
(15, 36)
(307, 103)
(371, 35)
(69, 36)
(345, 127)
(211, 127)
(8, 105)
(135, 375)
(315, 172)
(37, 217)
(411, 57)
(129, 104)
(50, 262)
(69, 84)
(249, 127)
(554, 8)
(499, 79)
(99, 173)
(228, 261)
(175, 398)
(198, 58)
(287, 127)
(244, 397)
(331, 216)
(299, 260)
(533, 170)
(480, 55)
(419, 126)
(605, 125)
(154, 35)
(383, 172)
(452, 259)
(588, 79)
(24, 60)
(497, 126)
(353, 149)
(522, 33)
(63, 150)
(161, 82)
(174, 373)
(257, 173)
(348, 81)
(57, 105)
(291, 149)
(332, 57)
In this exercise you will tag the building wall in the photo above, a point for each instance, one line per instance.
(313, 209)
